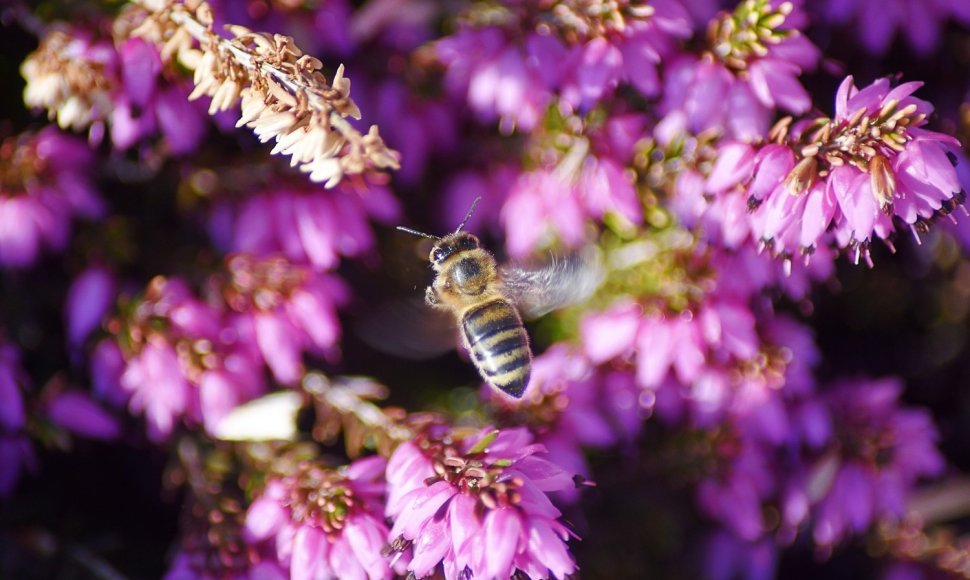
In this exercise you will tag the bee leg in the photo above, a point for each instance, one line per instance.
(431, 297)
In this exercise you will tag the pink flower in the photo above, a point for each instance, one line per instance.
(285, 310)
(877, 22)
(88, 300)
(78, 413)
(180, 359)
(542, 205)
(880, 451)
(325, 523)
(307, 226)
(12, 381)
(478, 509)
(857, 183)
(743, 79)
(55, 186)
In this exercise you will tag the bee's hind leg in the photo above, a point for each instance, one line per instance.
(431, 297)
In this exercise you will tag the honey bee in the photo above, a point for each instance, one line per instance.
(486, 298)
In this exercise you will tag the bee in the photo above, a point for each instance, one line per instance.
(486, 298)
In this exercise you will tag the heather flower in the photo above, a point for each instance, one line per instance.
(284, 96)
(325, 523)
(44, 182)
(726, 557)
(508, 82)
(477, 507)
(312, 226)
(285, 310)
(542, 206)
(88, 300)
(880, 450)
(86, 82)
(514, 76)
(12, 381)
(751, 69)
(875, 22)
(16, 457)
(75, 411)
(181, 360)
(852, 174)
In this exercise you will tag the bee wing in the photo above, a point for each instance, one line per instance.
(564, 280)
(408, 329)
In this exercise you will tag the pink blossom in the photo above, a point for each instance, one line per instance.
(285, 310)
(36, 215)
(307, 226)
(486, 516)
(325, 523)
(78, 413)
(88, 300)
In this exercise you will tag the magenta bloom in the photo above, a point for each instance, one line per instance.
(181, 359)
(575, 406)
(738, 85)
(881, 451)
(75, 411)
(285, 310)
(325, 523)
(313, 226)
(479, 509)
(869, 164)
(88, 300)
(876, 22)
(47, 182)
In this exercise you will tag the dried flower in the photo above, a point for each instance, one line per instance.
(285, 97)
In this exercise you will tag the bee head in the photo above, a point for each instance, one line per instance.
(456, 242)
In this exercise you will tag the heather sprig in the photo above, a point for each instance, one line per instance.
(285, 97)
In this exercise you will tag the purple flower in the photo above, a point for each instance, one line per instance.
(78, 413)
(307, 226)
(880, 450)
(573, 407)
(745, 76)
(285, 310)
(868, 164)
(88, 300)
(541, 206)
(479, 509)
(47, 182)
(876, 22)
(325, 523)
(729, 557)
(182, 359)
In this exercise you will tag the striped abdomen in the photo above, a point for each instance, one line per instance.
(499, 345)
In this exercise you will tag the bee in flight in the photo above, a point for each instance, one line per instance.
(486, 298)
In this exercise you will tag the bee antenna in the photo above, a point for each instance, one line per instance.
(468, 216)
(417, 233)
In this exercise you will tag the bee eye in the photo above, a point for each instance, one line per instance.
(438, 254)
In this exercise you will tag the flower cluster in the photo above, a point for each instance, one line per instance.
(844, 181)
(45, 181)
(118, 87)
(710, 383)
(285, 97)
(324, 523)
(478, 507)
